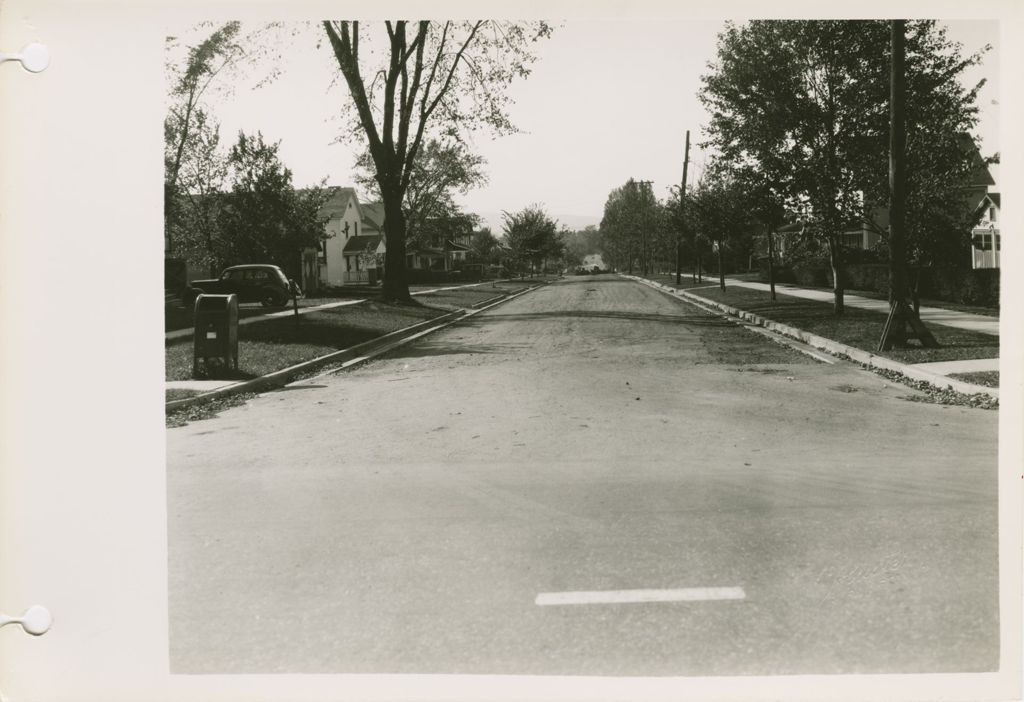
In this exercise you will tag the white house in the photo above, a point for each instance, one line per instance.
(349, 253)
(985, 243)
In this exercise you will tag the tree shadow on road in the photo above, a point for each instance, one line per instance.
(697, 320)
(431, 347)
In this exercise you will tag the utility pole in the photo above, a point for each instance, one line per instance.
(682, 201)
(900, 313)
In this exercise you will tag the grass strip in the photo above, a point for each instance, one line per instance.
(989, 379)
(279, 343)
(856, 327)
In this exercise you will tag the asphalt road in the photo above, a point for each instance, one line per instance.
(425, 513)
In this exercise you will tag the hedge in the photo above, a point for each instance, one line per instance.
(971, 287)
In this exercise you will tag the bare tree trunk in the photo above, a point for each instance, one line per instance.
(396, 282)
(771, 261)
(835, 258)
(721, 268)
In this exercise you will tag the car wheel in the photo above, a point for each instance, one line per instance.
(273, 298)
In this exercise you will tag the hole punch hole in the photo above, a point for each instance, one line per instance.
(35, 621)
(33, 58)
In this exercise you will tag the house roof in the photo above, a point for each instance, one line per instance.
(449, 245)
(428, 250)
(979, 204)
(362, 243)
(337, 201)
(794, 227)
(980, 174)
(373, 215)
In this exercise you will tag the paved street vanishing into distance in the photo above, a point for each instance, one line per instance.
(460, 506)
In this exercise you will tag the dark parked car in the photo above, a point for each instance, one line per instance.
(261, 283)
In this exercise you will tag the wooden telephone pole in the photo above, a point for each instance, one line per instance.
(901, 309)
(682, 201)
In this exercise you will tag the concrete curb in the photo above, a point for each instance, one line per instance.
(828, 345)
(350, 356)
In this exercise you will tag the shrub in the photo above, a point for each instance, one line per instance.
(867, 276)
(972, 287)
(783, 273)
(812, 274)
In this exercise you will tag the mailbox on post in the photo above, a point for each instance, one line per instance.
(216, 333)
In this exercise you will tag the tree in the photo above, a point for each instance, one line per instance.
(580, 243)
(531, 236)
(451, 223)
(634, 228)
(452, 75)
(942, 158)
(443, 169)
(263, 218)
(805, 104)
(719, 210)
(188, 129)
(196, 207)
(825, 80)
(484, 247)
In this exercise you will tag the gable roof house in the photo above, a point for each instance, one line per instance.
(443, 252)
(974, 190)
(985, 240)
(349, 253)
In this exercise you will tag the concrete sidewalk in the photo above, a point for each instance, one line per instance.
(929, 315)
(936, 373)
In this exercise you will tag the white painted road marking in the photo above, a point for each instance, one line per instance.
(686, 594)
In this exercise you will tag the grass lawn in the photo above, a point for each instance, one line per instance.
(989, 379)
(686, 282)
(858, 328)
(279, 343)
(273, 344)
(181, 317)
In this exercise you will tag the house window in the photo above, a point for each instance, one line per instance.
(357, 228)
(992, 214)
(322, 250)
(348, 263)
(983, 242)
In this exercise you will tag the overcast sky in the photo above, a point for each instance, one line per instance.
(607, 100)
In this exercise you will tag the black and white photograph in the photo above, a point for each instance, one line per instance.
(478, 366)
(623, 355)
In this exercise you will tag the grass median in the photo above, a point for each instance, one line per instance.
(274, 344)
(856, 327)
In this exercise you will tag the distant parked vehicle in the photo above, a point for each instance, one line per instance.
(265, 284)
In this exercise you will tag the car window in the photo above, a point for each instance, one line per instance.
(257, 275)
(232, 275)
